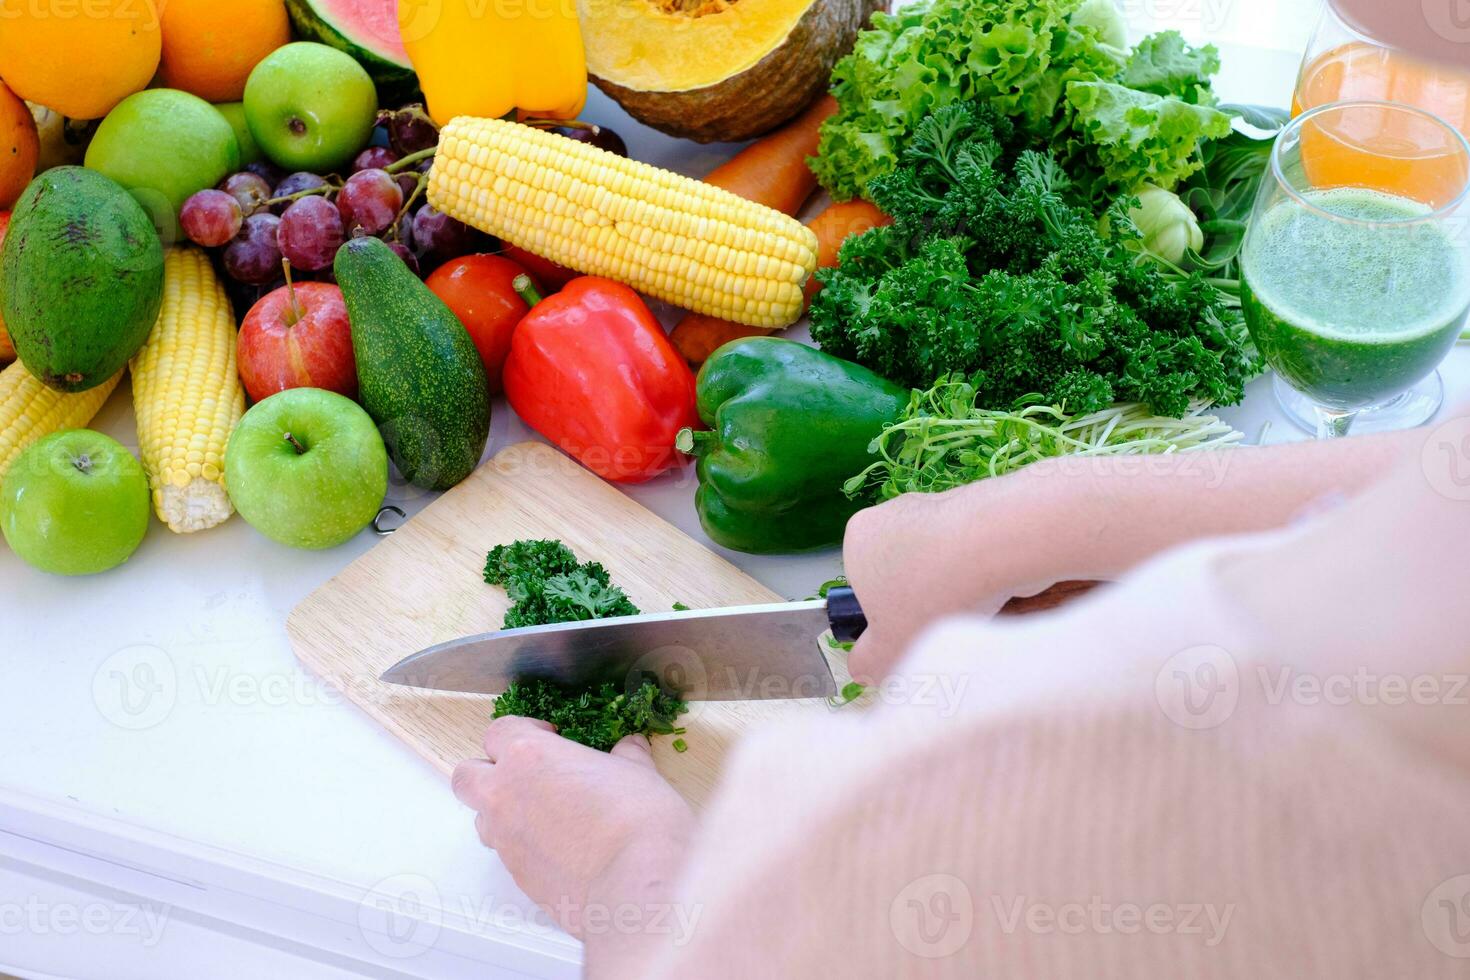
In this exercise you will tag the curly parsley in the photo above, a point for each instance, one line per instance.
(996, 269)
(548, 585)
(595, 716)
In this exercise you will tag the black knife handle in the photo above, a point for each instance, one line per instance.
(845, 614)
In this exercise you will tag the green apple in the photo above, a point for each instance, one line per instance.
(306, 467)
(163, 145)
(234, 113)
(310, 107)
(74, 503)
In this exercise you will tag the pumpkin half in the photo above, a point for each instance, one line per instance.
(718, 70)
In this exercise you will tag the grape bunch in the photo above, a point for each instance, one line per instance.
(260, 216)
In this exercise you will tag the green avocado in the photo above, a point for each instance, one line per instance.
(418, 373)
(81, 278)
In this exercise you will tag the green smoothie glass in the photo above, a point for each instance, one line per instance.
(1355, 272)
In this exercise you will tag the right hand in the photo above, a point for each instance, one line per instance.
(925, 556)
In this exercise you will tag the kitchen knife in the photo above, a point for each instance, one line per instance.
(744, 653)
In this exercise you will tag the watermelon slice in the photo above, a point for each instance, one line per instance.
(367, 30)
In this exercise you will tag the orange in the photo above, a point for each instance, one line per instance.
(210, 46)
(20, 147)
(80, 59)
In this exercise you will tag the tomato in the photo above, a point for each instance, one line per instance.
(477, 288)
(546, 272)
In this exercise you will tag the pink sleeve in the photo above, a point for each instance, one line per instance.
(1181, 777)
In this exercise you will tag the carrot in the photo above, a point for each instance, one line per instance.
(698, 336)
(772, 170)
(836, 225)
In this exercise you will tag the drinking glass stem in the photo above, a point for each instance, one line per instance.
(1333, 424)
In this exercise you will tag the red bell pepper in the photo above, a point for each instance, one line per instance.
(591, 369)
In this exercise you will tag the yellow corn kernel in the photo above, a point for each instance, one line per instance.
(29, 410)
(677, 239)
(187, 395)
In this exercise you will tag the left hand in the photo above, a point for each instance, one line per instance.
(574, 825)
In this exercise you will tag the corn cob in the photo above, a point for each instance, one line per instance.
(30, 410)
(187, 395)
(680, 240)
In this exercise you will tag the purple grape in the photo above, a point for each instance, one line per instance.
(310, 233)
(255, 256)
(401, 250)
(404, 232)
(249, 189)
(437, 237)
(211, 218)
(295, 184)
(410, 130)
(407, 183)
(598, 136)
(374, 158)
(369, 200)
(266, 171)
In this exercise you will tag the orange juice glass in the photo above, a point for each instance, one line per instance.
(1344, 66)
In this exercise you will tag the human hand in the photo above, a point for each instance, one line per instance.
(574, 826)
(924, 556)
(921, 557)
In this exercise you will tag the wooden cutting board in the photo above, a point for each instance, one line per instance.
(424, 585)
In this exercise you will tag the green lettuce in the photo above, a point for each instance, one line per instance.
(1018, 55)
(1138, 137)
(1029, 59)
(1165, 65)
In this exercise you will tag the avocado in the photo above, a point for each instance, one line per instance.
(418, 373)
(81, 278)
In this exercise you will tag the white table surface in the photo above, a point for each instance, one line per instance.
(161, 749)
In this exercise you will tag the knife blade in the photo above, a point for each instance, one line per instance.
(744, 653)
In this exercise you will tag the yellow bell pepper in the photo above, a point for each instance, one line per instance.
(491, 57)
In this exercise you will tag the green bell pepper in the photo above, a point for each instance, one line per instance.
(788, 425)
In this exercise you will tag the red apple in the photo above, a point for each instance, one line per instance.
(298, 337)
(478, 289)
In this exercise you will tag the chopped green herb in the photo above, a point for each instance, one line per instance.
(680, 745)
(680, 607)
(597, 716)
(547, 585)
(850, 692)
(840, 582)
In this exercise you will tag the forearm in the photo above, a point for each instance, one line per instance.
(1109, 514)
(632, 914)
(922, 557)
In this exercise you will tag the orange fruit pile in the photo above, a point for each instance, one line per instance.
(80, 60)
(211, 46)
